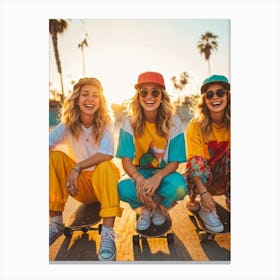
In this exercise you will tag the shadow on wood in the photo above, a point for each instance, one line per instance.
(215, 252)
(169, 252)
(82, 249)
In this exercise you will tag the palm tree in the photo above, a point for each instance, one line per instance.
(206, 45)
(184, 80)
(181, 84)
(177, 87)
(81, 45)
(57, 26)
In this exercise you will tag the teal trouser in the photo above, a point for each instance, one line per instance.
(172, 188)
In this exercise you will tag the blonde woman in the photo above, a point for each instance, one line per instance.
(151, 146)
(208, 147)
(86, 171)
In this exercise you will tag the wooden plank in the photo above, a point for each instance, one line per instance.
(186, 247)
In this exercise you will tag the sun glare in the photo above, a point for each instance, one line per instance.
(119, 50)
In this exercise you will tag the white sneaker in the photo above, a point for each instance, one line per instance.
(211, 220)
(144, 220)
(107, 250)
(157, 217)
(55, 230)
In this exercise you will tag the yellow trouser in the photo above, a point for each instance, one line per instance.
(101, 185)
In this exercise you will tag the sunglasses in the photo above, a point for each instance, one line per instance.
(219, 92)
(144, 92)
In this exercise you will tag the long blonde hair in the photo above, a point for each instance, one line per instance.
(70, 111)
(163, 118)
(204, 117)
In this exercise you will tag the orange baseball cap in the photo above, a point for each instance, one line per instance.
(150, 77)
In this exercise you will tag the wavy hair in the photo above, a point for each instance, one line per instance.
(70, 111)
(163, 118)
(204, 117)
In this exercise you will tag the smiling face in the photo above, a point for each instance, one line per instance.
(216, 104)
(88, 100)
(150, 97)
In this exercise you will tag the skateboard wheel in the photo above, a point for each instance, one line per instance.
(135, 239)
(170, 238)
(67, 232)
(84, 230)
(211, 236)
(202, 236)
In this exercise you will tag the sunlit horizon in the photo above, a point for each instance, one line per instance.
(120, 49)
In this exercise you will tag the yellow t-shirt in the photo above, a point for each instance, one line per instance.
(211, 147)
(150, 148)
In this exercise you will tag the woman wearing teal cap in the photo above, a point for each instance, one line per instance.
(208, 150)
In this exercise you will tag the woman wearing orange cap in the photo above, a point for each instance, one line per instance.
(208, 148)
(85, 172)
(151, 146)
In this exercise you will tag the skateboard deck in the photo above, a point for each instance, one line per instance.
(205, 234)
(83, 219)
(155, 231)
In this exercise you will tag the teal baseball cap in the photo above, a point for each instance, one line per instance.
(215, 79)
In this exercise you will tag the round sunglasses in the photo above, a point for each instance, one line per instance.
(219, 92)
(144, 92)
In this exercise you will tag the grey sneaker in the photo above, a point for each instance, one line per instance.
(211, 220)
(55, 230)
(144, 220)
(158, 217)
(107, 250)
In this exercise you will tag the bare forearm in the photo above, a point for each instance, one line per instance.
(132, 171)
(168, 169)
(130, 168)
(200, 187)
(92, 161)
(207, 201)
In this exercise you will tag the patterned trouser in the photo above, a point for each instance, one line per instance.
(216, 178)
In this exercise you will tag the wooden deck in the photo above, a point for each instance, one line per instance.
(83, 247)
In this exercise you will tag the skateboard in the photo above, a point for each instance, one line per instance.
(155, 231)
(83, 219)
(205, 234)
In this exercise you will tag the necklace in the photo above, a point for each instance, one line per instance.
(87, 132)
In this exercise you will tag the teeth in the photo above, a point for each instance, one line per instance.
(88, 105)
(215, 103)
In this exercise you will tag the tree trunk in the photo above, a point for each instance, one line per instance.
(58, 64)
(84, 70)
(62, 89)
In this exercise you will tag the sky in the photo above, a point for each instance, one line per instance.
(120, 49)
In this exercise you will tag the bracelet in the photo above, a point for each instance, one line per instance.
(135, 175)
(77, 170)
(203, 193)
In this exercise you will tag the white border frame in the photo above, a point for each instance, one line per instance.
(255, 137)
